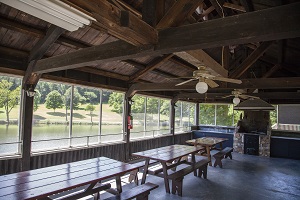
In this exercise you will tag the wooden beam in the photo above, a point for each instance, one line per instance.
(41, 47)
(206, 12)
(252, 58)
(263, 83)
(208, 61)
(266, 25)
(113, 51)
(179, 11)
(154, 64)
(234, 7)
(37, 52)
(272, 71)
(225, 58)
(121, 24)
(218, 4)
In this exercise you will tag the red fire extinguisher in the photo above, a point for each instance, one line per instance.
(130, 122)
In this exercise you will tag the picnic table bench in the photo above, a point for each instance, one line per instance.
(140, 192)
(221, 154)
(44, 182)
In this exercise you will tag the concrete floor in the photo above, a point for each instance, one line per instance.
(245, 177)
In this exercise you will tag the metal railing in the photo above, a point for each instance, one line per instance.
(89, 141)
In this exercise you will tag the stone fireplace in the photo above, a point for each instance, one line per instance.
(256, 125)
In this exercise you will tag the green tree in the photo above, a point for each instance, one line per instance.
(37, 99)
(54, 100)
(90, 108)
(115, 101)
(9, 97)
(139, 104)
(90, 96)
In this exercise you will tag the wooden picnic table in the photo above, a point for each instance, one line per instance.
(166, 155)
(43, 182)
(208, 143)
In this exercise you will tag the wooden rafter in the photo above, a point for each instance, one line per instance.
(218, 5)
(178, 13)
(37, 52)
(272, 71)
(120, 23)
(234, 7)
(273, 27)
(154, 64)
(247, 4)
(252, 58)
(93, 70)
(234, 30)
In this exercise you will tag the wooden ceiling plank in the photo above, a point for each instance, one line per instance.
(176, 15)
(141, 66)
(35, 32)
(149, 12)
(93, 70)
(160, 10)
(154, 64)
(266, 25)
(252, 58)
(247, 4)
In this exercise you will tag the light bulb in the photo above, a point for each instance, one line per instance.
(236, 100)
(201, 87)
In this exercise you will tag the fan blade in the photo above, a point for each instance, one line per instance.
(211, 83)
(244, 96)
(184, 82)
(228, 96)
(230, 80)
(183, 77)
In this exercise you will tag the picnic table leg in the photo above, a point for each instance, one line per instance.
(118, 183)
(193, 162)
(208, 154)
(221, 146)
(165, 171)
(145, 170)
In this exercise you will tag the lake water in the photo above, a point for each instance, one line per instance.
(46, 132)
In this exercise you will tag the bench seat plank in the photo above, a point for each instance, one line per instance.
(139, 192)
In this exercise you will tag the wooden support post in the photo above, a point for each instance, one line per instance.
(197, 114)
(127, 111)
(26, 131)
(172, 117)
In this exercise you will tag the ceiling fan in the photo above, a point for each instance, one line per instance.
(206, 79)
(238, 95)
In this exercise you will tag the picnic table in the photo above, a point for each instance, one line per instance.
(208, 143)
(170, 157)
(43, 182)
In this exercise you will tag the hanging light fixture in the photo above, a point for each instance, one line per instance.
(236, 100)
(53, 11)
(201, 87)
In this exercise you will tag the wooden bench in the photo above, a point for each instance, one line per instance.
(177, 177)
(133, 174)
(140, 192)
(220, 155)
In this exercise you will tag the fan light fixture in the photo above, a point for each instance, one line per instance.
(201, 87)
(53, 11)
(236, 100)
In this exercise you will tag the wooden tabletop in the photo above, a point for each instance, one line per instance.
(168, 153)
(50, 180)
(206, 141)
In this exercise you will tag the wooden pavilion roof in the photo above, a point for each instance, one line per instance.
(141, 46)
